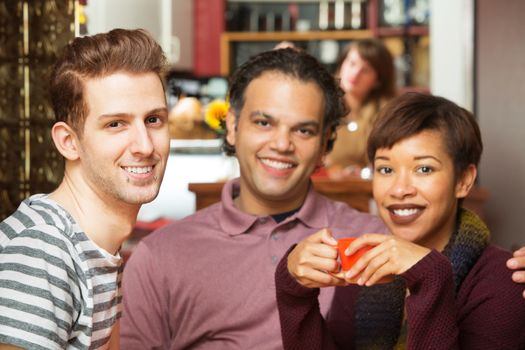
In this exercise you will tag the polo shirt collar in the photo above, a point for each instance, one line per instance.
(313, 212)
(234, 221)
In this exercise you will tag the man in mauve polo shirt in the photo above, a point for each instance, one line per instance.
(207, 281)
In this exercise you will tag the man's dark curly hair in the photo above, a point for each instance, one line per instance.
(298, 65)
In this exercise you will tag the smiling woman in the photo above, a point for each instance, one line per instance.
(449, 281)
(416, 191)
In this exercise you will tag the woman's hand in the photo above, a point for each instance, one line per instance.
(390, 256)
(517, 262)
(313, 262)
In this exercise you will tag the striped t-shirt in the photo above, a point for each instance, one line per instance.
(58, 289)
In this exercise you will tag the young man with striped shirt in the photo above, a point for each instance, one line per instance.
(59, 263)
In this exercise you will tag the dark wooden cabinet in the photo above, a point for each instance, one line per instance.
(409, 42)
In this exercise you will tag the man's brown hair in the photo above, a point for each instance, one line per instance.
(120, 50)
(296, 64)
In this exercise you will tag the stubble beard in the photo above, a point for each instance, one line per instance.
(125, 190)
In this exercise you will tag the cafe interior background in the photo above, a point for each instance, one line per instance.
(470, 51)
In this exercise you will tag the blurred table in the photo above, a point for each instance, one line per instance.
(356, 193)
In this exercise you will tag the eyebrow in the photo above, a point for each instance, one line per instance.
(415, 158)
(313, 123)
(427, 157)
(258, 113)
(159, 110)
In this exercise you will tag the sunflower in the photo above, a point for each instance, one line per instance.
(215, 113)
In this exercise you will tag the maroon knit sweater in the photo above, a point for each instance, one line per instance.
(487, 313)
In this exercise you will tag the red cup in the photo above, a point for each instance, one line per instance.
(348, 261)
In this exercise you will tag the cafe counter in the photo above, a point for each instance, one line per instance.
(357, 193)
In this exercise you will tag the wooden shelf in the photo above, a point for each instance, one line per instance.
(296, 36)
(229, 37)
(400, 31)
(413, 88)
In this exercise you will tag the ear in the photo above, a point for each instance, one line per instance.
(322, 154)
(321, 161)
(66, 140)
(466, 181)
(231, 127)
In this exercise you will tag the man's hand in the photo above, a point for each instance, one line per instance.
(313, 262)
(517, 262)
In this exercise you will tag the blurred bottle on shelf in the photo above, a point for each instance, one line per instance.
(398, 13)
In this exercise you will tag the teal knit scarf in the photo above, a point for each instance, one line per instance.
(378, 315)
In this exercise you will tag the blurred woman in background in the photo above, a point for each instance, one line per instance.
(367, 75)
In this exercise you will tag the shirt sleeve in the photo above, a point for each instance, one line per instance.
(492, 309)
(36, 296)
(144, 323)
(431, 307)
(488, 311)
(302, 325)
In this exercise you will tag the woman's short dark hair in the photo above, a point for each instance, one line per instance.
(298, 65)
(412, 113)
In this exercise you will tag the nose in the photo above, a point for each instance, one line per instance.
(282, 141)
(356, 72)
(141, 144)
(402, 186)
